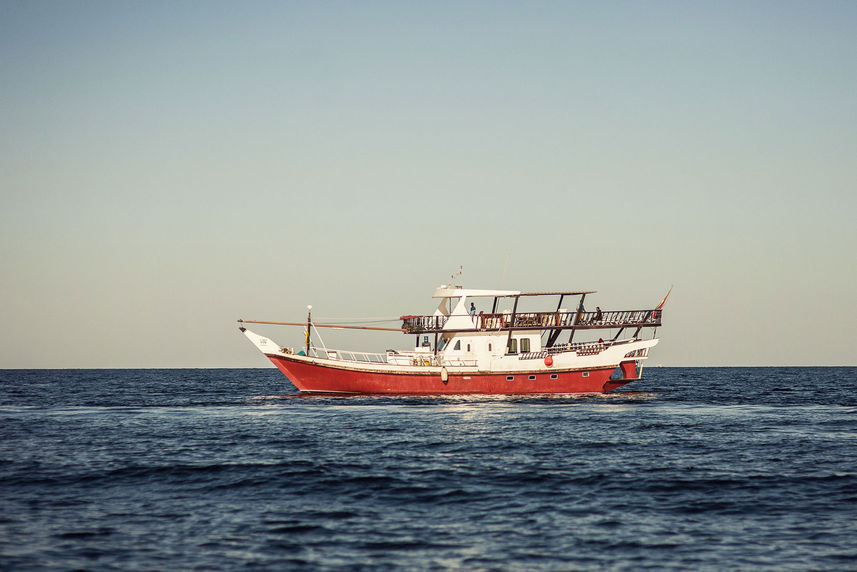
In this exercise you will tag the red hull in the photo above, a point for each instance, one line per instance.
(321, 378)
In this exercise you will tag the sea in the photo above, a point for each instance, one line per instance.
(228, 469)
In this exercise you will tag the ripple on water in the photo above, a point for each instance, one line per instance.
(157, 469)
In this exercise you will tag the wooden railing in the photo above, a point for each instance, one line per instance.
(541, 321)
(422, 324)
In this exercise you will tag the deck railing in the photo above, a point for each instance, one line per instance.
(541, 320)
(582, 349)
(420, 324)
(548, 320)
(417, 359)
(346, 355)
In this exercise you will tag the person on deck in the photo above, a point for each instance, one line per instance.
(598, 315)
(472, 309)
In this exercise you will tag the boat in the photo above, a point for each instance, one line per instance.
(459, 350)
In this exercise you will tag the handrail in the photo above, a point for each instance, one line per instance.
(347, 355)
(541, 320)
(582, 348)
(412, 358)
(420, 324)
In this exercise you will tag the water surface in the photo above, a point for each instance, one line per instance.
(220, 469)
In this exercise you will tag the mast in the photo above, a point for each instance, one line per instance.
(308, 325)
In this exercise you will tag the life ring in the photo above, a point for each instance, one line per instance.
(549, 361)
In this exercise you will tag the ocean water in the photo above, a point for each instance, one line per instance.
(692, 468)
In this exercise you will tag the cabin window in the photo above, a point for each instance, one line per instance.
(513, 346)
(489, 347)
(525, 345)
(585, 374)
(532, 377)
(457, 345)
(554, 376)
(510, 378)
(468, 347)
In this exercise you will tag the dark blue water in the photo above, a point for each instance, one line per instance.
(222, 469)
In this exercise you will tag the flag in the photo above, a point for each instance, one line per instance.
(661, 305)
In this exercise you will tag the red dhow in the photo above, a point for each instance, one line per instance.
(460, 351)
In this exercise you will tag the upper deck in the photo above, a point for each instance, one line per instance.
(559, 320)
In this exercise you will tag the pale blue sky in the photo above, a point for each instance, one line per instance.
(169, 167)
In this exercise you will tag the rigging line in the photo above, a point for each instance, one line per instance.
(314, 325)
(361, 321)
(318, 334)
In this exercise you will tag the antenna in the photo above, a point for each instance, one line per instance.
(455, 275)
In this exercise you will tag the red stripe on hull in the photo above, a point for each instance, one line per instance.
(320, 378)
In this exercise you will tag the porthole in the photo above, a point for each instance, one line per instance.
(554, 376)
(532, 377)
(585, 374)
(510, 378)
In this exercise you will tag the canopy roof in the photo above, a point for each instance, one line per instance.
(575, 293)
(458, 292)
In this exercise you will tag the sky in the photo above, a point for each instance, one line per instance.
(167, 168)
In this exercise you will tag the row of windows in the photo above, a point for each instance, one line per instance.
(512, 349)
(457, 346)
(513, 346)
(533, 377)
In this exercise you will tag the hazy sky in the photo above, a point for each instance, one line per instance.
(169, 167)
